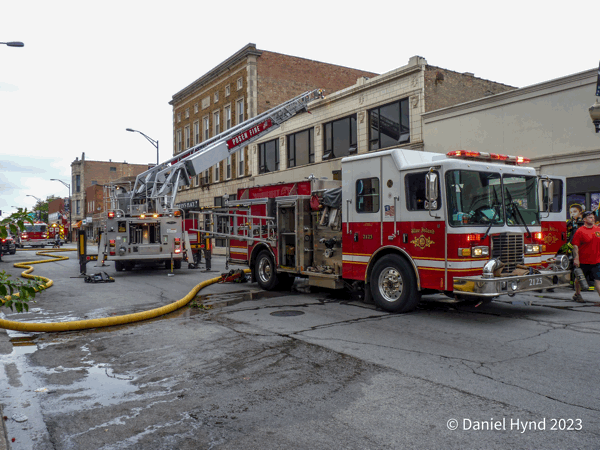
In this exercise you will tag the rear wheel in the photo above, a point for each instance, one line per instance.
(177, 264)
(264, 271)
(393, 285)
(118, 266)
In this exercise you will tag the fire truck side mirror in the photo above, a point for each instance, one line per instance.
(431, 187)
(546, 194)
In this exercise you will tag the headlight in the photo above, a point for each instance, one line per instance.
(532, 248)
(480, 252)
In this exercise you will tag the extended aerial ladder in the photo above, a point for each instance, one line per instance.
(159, 184)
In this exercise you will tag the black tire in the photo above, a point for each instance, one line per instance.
(265, 271)
(129, 266)
(393, 285)
(177, 264)
(118, 266)
(168, 264)
(12, 252)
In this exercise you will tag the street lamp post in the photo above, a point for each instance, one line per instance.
(39, 200)
(13, 44)
(152, 141)
(68, 186)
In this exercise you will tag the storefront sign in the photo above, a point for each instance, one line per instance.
(190, 204)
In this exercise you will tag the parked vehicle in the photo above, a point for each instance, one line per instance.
(402, 223)
(8, 245)
(35, 235)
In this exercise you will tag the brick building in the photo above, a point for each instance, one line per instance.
(248, 83)
(370, 113)
(95, 174)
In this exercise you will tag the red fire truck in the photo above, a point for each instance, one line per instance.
(403, 223)
(35, 235)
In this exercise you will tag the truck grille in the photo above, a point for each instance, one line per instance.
(509, 249)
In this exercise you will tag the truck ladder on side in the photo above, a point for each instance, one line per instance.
(161, 182)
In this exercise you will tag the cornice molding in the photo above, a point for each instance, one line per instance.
(248, 50)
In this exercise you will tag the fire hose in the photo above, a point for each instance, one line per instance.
(95, 323)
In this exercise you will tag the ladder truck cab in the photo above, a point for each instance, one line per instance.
(403, 223)
(143, 223)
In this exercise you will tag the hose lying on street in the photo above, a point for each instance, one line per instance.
(97, 323)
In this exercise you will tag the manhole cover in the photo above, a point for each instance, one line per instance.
(287, 313)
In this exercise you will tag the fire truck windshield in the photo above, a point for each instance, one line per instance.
(477, 199)
(520, 198)
(35, 228)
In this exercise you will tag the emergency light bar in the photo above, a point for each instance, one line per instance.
(484, 156)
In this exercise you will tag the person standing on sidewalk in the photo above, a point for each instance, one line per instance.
(586, 252)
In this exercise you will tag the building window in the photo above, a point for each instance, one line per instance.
(367, 195)
(340, 138)
(217, 122)
(178, 117)
(206, 176)
(227, 91)
(389, 125)
(222, 221)
(196, 108)
(228, 167)
(301, 148)
(78, 207)
(241, 163)
(240, 111)
(227, 117)
(196, 132)
(216, 97)
(77, 183)
(268, 156)
(240, 83)
(186, 134)
(206, 127)
(187, 113)
(113, 169)
(179, 142)
(217, 173)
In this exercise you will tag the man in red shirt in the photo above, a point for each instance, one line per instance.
(586, 252)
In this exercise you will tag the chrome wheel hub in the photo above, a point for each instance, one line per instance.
(390, 284)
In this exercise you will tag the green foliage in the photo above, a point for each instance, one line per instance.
(25, 289)
(20, 291)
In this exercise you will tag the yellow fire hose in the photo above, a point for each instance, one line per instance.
(94, 323)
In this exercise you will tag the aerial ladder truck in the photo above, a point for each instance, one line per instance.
(142, 222)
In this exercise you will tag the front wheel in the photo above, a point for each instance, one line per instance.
(393, 285)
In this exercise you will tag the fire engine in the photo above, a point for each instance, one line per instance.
(35, 234)
(143, 223)
(403, 223)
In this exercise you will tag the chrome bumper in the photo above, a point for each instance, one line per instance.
(493, 287)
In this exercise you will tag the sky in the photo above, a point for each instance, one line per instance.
(91, 69)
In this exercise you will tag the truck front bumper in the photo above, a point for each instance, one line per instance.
(479, 286)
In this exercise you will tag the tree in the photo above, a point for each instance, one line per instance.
(25, 289)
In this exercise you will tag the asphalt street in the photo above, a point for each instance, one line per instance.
(243, 368)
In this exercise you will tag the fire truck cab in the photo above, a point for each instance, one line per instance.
(35, 234)
(467, 224)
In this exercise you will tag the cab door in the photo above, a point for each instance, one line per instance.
(424, 229)
(554, 223)
(362, 213)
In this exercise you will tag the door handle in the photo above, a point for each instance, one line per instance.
(355, 237)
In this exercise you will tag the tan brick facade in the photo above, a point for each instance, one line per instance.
(85, 174)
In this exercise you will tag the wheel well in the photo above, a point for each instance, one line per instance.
(392, 251)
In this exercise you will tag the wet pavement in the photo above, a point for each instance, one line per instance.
(243, 368)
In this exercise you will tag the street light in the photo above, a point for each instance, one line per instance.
(70, 207)
(152, 141)
(40, 201)
(13, 44)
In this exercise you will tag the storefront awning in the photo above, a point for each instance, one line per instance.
(77, 224)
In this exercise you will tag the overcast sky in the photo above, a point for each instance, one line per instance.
(89, 70)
